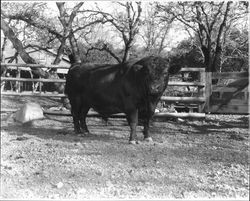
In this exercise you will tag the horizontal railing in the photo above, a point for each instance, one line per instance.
(170, 83)
(34, 65)
(170, 99)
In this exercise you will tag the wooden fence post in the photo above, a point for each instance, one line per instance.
(18, 83)
(40, 85)
(4, 74)
(202, 90)
(208, 91)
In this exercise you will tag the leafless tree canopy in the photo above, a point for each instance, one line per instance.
(140, 28)
(210, 22)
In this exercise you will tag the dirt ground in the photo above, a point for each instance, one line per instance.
(191, 159)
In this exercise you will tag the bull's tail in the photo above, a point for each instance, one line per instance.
(69, 79)
(66, 88)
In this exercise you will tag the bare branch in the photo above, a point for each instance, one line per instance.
(107, 49)
(90, 24)
(32, 22)
(215, 17)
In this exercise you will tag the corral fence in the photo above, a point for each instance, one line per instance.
(230, 94)
(189, 98)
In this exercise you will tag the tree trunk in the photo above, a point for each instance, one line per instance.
(9, 33)
(126, 54)
(3, 49)
(17, 44)
(218, 50)
(75, 49)
(60, 51)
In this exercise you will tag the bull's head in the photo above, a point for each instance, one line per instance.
(157, 71)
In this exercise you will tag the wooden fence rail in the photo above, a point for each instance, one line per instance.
(34, 66)
(205, 90)
(32, 80)
(189, 69)
(231, 75)
(163, 98)
(170, 99)
(63, 81)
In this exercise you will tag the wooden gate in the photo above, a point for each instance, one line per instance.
(230, 95)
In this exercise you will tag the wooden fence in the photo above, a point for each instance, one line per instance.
(182, 101)
(202, 99)
(230, 95)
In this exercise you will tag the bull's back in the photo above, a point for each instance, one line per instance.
(92, 79)
(106, 89)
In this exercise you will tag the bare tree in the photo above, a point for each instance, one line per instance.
(208, 20)
(20, 49)
(61, 33)
(126, 24)
(155, 31)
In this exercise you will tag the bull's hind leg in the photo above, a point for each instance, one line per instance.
(76, 113)
(84, 112)
(132, 118)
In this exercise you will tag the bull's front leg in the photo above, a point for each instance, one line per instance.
(146, 132)
(132, 118)
(77, 128)
(83, 116)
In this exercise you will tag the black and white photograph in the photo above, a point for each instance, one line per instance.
(124, 100)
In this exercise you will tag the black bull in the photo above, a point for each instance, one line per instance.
(130, 88)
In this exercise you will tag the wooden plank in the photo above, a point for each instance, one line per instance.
(175, 83)
(200, 84)
(208, 91)
(120, 115)
(231, 75)
(186, 106)
(21, 68)
(230, 109)
(227, 85)
(218, 101)
(32, 80)
(163, 98)
(18, 83)
(8, 110)
(227, 89)
(202, 90)
(32, 94)
(63, 80)
(183, 99)
(35, 65)
(180, 115)
(192, 69)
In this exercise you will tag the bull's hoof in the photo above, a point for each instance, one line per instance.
(148, 139)
(78, 132)
(80, 135)
(87, 133)
(132, 142)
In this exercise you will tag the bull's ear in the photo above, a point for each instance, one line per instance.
(137, 67)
